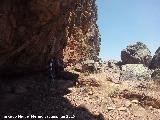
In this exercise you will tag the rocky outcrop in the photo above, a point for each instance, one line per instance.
(155, 63)
(34, 31)
(83, 34)
(135, 72)
(137, 53)
(90, 66)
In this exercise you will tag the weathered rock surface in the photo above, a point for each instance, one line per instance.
(82, 33)
(33, 31)
(90, 66)
(135, 72)
(156, 74)
(155, 63)
(137, 53)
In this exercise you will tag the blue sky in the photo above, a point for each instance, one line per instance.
(122, 22)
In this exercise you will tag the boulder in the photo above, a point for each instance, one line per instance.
(135, 72)
(155, 63)
(90, 66)
(137, 53)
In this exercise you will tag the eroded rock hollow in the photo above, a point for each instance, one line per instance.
(34, 31)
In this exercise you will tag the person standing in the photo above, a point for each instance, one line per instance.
(52, 71)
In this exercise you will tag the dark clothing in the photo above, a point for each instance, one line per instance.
(55, 67)
(52, 71)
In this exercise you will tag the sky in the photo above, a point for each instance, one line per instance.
(123, 22)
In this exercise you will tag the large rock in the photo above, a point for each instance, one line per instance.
(137, 53)
(83, 38)
(90, 66)
(135, 72)
(155, 63)
(30, 34)
(34, 31)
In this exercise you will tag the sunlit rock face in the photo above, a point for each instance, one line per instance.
(135, 72)
(137, 53)
(34, 31)
(83, 39)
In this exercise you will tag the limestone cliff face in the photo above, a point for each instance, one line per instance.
(33, 31)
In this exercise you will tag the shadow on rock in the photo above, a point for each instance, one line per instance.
(30, 95)
(68, 76)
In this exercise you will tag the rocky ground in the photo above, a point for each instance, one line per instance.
(87, 97)
(33, 95)
(126, 100)
(114, 90)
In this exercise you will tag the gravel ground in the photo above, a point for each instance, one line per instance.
(93, 97)
(116, 101)
(40, 100)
